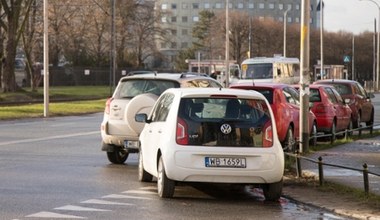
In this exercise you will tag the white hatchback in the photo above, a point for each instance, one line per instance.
(211, 135)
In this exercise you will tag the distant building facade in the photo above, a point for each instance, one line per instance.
(183, 14)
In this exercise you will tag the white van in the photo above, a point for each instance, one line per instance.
(270, 69)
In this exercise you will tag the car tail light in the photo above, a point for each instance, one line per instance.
(108, 104)
(268, 135)
(320, 108)
(181, 133)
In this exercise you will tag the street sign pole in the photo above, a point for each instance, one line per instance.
(305, 77)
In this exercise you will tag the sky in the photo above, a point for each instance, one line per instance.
(354, 16)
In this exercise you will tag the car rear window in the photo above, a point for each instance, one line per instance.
(225, 122)
(132, 88)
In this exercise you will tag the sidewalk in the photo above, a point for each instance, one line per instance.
(352, 155)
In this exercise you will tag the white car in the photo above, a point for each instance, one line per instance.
(211, 135)
(137, 93)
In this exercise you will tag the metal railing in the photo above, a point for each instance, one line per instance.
(364, 170)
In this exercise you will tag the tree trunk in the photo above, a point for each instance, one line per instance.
(9, 80)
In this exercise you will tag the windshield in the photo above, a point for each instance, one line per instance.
(132, 88)
(259, 71)
(226, 122)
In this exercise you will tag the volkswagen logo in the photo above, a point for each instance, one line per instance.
(225, 128)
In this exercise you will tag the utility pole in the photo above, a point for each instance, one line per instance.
(227, 73)
(46, 59)
(322, 30)
(305, 77)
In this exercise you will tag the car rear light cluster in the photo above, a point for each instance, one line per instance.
(108, 106)
(268, 135)
(181, 132)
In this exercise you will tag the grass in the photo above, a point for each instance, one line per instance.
(70, 100)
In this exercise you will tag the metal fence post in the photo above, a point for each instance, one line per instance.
(298, 165)
(365, 178)
(320, 170)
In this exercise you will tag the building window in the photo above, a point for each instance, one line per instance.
(297, 20)
(261, 5)
(281, 6)
(184, 19)
(173, 45)
(289, 19)
(290, 6)
(185, 6)
(240, 5)
(230, 5)
(164, 20)
(298, 7)
(174, 19)
(174, 32)
(184, 32)
(207, 5)
(195, 18)
(218, 5)
(251, 5)
(195, 5)
(184, 45)
(271, 6)
(174, 6)
(164, 6)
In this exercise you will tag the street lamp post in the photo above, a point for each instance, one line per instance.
(285, 16)
(378, 45)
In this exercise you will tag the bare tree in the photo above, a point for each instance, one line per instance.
(15, 13)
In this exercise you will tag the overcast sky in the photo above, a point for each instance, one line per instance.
(350, 15)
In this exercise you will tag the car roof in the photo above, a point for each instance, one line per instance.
(260, 85)
(179, 77)
(343, 81)
(207, 92)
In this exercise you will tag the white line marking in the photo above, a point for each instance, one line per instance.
(140, 192)
(118, 196)
(104, 202)
(53, 215)
(48, 138)
(80, 208)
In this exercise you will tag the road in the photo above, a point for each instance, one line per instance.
(53, 168)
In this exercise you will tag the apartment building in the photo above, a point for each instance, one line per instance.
(183, 14)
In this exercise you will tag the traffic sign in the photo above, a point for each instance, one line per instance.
(346, 59)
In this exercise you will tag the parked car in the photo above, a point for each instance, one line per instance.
(331, 110)
(134, 94)
(284, 100)
(360, 101)
(211, 135)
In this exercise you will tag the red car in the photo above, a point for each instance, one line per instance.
(284, 101)
(360, 101)
(331, 110)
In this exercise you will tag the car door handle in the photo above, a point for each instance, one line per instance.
(116, 108)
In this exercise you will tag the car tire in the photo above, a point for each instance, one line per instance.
(333, 131)
(118, 156)
(142, 103)
(165, 186)
(272, 191)
(290, 142)
(370, 122)
(313, 135)
(143, 176)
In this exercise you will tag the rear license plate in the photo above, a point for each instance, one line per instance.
(225, 162)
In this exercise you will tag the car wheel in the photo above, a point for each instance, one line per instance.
(143, 176)
(290, 142)
(358, 121)
(165, 186)
(333, 132)
(118, 156)
(272, 191)
(350, 128)
(370, 122)
(313, 135)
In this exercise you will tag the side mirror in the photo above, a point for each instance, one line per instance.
(142, 117)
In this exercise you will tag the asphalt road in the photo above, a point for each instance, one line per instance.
(53, 168)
